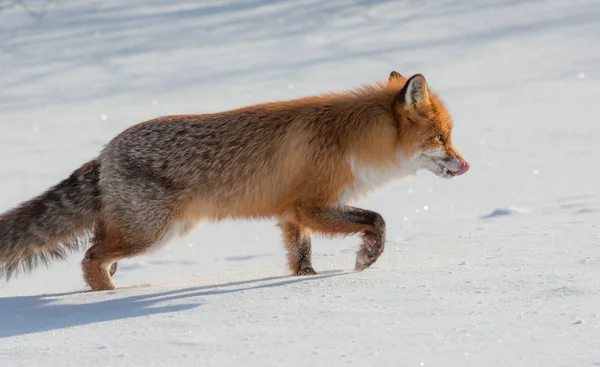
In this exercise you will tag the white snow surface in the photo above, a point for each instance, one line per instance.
(499, 267)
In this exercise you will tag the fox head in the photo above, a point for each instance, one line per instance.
(425, 128)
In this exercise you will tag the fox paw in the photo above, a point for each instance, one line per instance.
(366, 257)
(305, 270)
(113, 269)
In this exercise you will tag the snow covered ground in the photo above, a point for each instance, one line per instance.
(500, 267)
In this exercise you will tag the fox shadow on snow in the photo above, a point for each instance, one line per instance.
(31, 314)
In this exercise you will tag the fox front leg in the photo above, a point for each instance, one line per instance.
(348, 220)
(298, 246)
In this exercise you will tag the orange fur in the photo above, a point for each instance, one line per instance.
(301, 162)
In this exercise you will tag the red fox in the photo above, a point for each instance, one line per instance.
(301, 162)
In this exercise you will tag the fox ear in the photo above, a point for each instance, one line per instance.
(394, 75)
(415, 92)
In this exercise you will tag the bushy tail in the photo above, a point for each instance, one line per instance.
(50, 225)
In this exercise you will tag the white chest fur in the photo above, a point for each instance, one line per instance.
(368, 178)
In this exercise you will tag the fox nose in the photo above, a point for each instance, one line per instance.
(463, 167)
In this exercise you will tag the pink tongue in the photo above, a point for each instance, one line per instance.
(463, 167)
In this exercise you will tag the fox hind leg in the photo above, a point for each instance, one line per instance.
(100, 261)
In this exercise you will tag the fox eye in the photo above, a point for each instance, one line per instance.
(440, 138)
